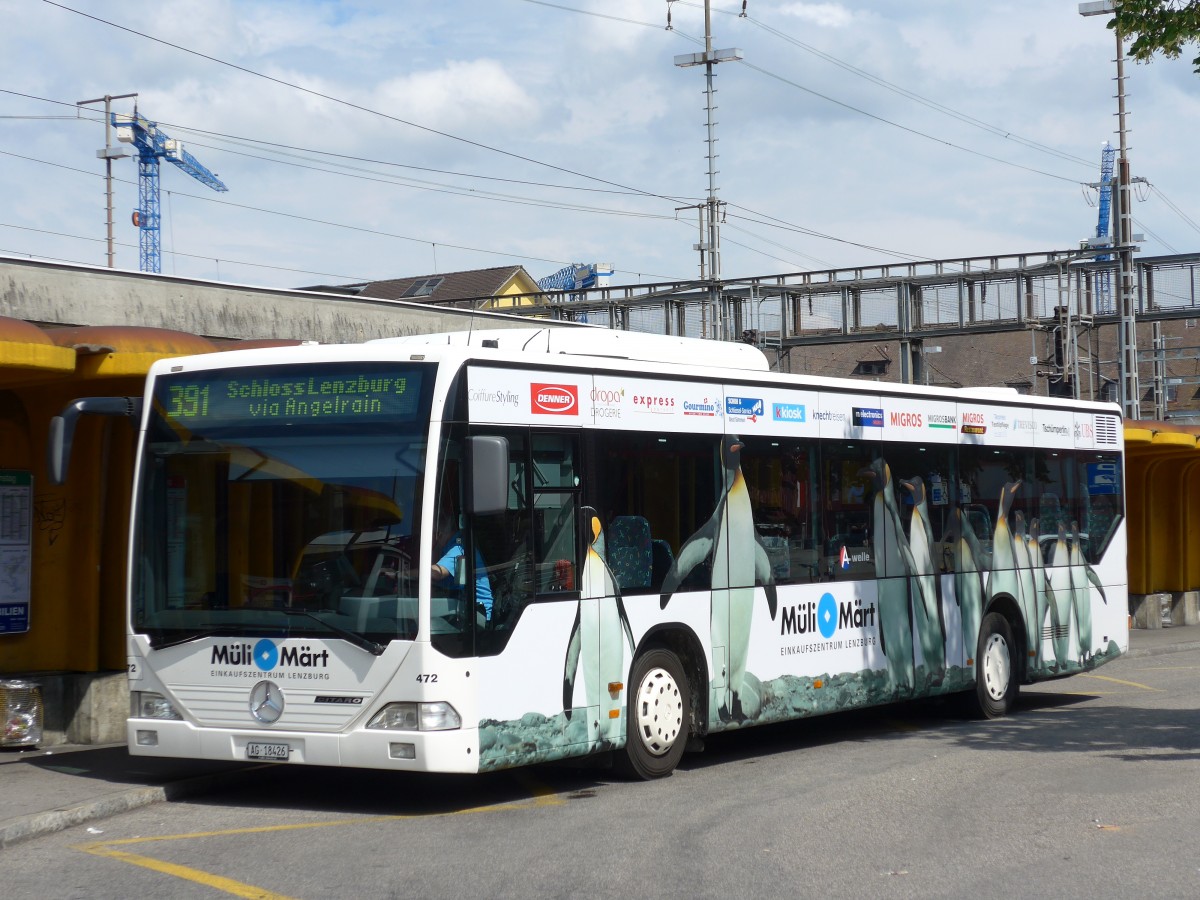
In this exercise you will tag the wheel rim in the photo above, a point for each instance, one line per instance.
(997, 667)
(659, 711)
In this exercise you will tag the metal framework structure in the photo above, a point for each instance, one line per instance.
(153, 145)
(906, 302)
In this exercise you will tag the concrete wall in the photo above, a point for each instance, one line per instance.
(59, 294)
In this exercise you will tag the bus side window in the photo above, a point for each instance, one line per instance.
(779, 476)
(653, 493)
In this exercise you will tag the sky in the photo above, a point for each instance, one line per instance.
(389, 138)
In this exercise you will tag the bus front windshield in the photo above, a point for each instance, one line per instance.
(282, 501)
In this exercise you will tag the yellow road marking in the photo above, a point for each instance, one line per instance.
(1144, 687)
(543, 797)
(216, 882)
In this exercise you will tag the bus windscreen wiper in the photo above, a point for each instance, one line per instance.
(356, 639)
(157, 643)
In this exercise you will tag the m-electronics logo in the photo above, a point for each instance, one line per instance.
(788, 412)
(865, 417)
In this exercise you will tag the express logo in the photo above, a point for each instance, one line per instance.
(654, 404)
(554, 399)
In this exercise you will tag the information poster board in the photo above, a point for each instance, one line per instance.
(16, 549)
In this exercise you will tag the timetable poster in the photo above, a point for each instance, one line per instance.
(16, 550)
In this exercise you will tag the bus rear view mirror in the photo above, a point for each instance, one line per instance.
(488, 494)
(62, 428)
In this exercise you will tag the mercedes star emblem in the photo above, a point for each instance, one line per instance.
(266, 702)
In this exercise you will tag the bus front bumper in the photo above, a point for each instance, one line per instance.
(409, 751)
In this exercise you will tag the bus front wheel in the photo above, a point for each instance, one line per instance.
(657, 724)
(995, 674)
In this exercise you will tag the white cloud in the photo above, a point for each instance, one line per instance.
(803, 140)
(824, 15)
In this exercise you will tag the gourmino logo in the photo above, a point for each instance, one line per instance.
(554, 399)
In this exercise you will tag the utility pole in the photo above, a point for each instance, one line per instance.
(1127, 330)
(108, 153)
(709, 59)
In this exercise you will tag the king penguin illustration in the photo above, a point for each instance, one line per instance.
(1082, 577)
(596, 639)
(931, 626)
(1062, 598)
(1025, 577)
(1038, 565)
(893, 564)
(739, 561)
(1003, 578)
(968, 583)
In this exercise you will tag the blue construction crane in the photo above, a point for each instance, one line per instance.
(152, 145)
(577, 277)
(1103, 278)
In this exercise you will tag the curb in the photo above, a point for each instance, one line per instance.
(39, 824)
(1159, 651)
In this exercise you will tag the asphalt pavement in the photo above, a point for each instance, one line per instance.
(43, 791)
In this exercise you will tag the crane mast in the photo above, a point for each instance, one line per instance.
(153, 144)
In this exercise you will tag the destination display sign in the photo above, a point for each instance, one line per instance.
(292, 395)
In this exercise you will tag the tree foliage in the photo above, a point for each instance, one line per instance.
(1159, 26)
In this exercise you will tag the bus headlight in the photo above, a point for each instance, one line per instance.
(437, 716)
(149, 705)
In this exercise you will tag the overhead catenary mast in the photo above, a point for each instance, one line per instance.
(710, 244)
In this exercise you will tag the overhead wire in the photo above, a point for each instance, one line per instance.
(325, 222)
(361, 108)
(995, 130)
(236, 262)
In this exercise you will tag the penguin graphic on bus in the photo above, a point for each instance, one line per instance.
(597, 644)
(739, 563)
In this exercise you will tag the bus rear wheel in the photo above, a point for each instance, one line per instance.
(656, 730)
(995, 675)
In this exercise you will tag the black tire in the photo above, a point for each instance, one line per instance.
(996, 679)
(659, 712)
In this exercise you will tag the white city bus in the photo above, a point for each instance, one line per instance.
(462, 553)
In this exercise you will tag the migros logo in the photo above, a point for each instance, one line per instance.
(554, 399)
